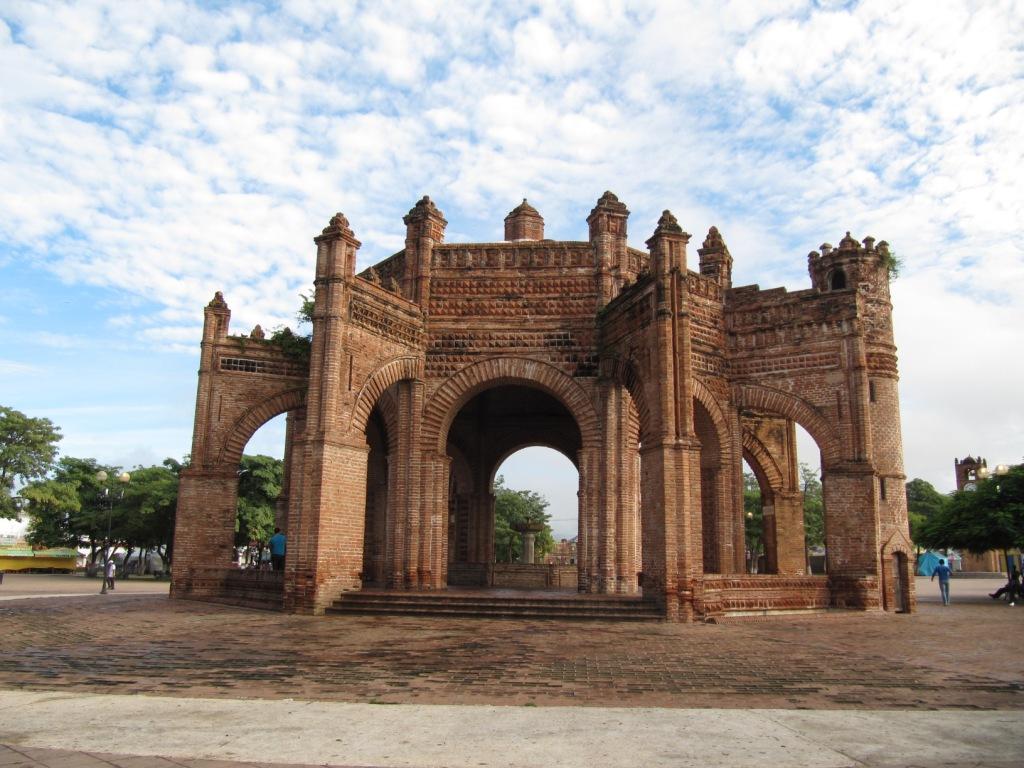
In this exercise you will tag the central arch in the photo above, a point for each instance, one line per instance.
(494, 422)
(455, 392)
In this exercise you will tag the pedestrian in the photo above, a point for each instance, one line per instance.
(277, 548)
(942, 571)
(111, 571)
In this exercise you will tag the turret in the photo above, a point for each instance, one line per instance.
(524, 223)
(851, 266)
(607, 223)
(216, 318)
(336, 249)
(715, 260)
(424, 228)
(668, 246)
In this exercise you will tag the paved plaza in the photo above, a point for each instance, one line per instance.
(98, 678)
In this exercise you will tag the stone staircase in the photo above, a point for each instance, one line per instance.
(497, 603)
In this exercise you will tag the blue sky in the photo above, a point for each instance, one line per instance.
(154, 152)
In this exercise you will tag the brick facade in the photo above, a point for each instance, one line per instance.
(657, 380)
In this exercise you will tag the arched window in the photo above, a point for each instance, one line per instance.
(837, 280)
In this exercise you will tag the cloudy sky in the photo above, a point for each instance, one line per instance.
(153, 152)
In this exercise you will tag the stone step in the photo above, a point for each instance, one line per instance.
(566, 608)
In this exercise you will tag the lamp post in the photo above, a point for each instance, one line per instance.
(123, 478)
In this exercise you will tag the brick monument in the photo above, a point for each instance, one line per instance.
(654, 378)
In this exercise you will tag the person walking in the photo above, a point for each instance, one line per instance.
(110, 572)
(277, 548)
(943, 572)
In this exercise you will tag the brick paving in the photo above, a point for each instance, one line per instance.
(965, 656)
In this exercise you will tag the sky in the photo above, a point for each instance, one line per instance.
(154, 152)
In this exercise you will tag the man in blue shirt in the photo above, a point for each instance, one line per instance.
(942, 571)
(277, 546)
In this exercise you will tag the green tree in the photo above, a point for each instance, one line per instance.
(512, 508)
(259, 484)
(148, 507)
(73, 508)
(28, 447)
(989, 517)
(814, 507)
(923, 503)
(753, 512)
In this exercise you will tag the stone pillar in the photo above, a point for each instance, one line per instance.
(529, 538)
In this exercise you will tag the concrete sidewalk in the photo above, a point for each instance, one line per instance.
(326, 733)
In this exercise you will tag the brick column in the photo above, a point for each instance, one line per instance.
(204, 529)
(851, 535)
(790, 547)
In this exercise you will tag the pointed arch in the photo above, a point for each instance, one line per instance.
(407, 367)
(624, 371)
(456, 391)
(245, 427)
(762, 461)
(799, 410)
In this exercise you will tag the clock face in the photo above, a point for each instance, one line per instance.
(969, 486)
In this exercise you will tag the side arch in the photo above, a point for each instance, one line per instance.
(799, 410)
(626, 374)
(703, 395)
(456, 391)
(378, 381)
(245, 427)
(762, 461)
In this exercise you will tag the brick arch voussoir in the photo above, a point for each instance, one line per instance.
(703, 395)
(624, 372)
(766, 463)
(461, 387)
(799, 410)
(389, 373)
(245, 426)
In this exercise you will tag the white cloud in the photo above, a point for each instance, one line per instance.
(166, 150)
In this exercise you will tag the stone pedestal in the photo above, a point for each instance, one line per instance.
(529, 533)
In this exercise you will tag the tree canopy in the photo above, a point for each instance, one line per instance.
(28, 447)
(989, 517)
(814, 507)
(512, 508)
(923, 503)
(74, 508)
(259, 484)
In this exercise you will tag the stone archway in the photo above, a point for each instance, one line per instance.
(495, 421)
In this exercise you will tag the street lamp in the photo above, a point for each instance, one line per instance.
(1001, 469)
(101, 477)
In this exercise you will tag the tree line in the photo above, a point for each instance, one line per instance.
(80, 503)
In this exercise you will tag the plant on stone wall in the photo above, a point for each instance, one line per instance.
(893, 264)
(292, 344)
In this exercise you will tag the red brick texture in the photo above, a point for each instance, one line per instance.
(427, 370)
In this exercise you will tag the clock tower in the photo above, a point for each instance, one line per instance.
(967, 472)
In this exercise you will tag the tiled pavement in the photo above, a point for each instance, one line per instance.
(967, 656)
